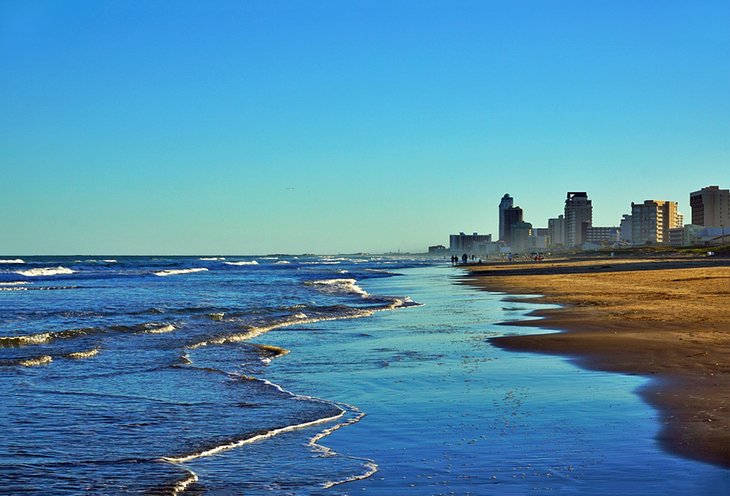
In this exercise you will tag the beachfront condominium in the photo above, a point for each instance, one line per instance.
(469, 243)
(627, 230)
(710, 207)
(512, 217)
(556, 231)
(578, 217)
(652, 220)
(506, 203)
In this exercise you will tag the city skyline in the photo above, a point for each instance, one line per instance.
(247, 128)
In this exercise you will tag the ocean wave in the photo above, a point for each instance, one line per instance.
(298, 319)
(244, 262)
(282, 262)
(45, 271)
(36, 361)
(13, 286)
(271, 352)
(41, 337)
(174, 272)
(181, 486)
(157, 328)
(338, 286)
(212, 259)
(11, 261)
(79, 355)
(248, 440)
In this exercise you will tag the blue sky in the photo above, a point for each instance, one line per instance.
(250, 127)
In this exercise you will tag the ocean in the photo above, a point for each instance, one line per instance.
(304, 375)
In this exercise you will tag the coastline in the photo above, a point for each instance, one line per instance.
(663, 318)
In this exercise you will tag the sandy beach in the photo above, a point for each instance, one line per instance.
(664, 318)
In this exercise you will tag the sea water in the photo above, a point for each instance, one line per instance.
(301, 375)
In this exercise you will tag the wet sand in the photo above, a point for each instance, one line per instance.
(668, 319)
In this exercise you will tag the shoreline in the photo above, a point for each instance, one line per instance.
(665, 319)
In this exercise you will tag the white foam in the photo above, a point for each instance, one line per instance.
(347, 286)
(245, 262)
(78, 355)
(182, 485)
(174, 272)
(35, 361)
(13, 286)
(212, 259)
(282, 262)
(29, 339)
(45, 271)
(111, 260)
(297, 319)
(12, 261)
(252, 439)
(158, 328)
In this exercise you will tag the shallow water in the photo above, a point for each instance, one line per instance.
(156, 383)
(447, 413)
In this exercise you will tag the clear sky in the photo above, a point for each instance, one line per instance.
(248, 127)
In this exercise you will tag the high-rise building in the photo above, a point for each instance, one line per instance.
(469, 243)
(710, 207)
(578, 217)
(520, 236)
(506, 203)
(652, 220)
(627, 229)
(602, 235)
(556, 229)
(512, 216)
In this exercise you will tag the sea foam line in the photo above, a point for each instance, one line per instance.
(370, 465)
(12, 261)
(347, 286)
(45, 271)
(244, 262)
(254, 332)
(249, 440)
(174, 272)
(36, 361)
(181, 486)
(78, 355)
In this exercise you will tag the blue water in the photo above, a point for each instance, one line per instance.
(150, 376)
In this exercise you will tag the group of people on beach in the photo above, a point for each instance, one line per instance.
(464, 259)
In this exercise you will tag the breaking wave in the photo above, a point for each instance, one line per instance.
(212, 259)
(11, 261)
(339, 286)
(45, 271)
(174, 272)
(244, 262)
(36, 361)
(40, 338)
(78, 355)
(158, 328)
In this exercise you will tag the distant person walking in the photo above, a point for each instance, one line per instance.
(464, 258)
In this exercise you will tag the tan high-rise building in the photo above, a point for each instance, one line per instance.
(652, 220)
(710, 207)
(578, 217)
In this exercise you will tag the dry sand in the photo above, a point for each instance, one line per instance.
(664, 318)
